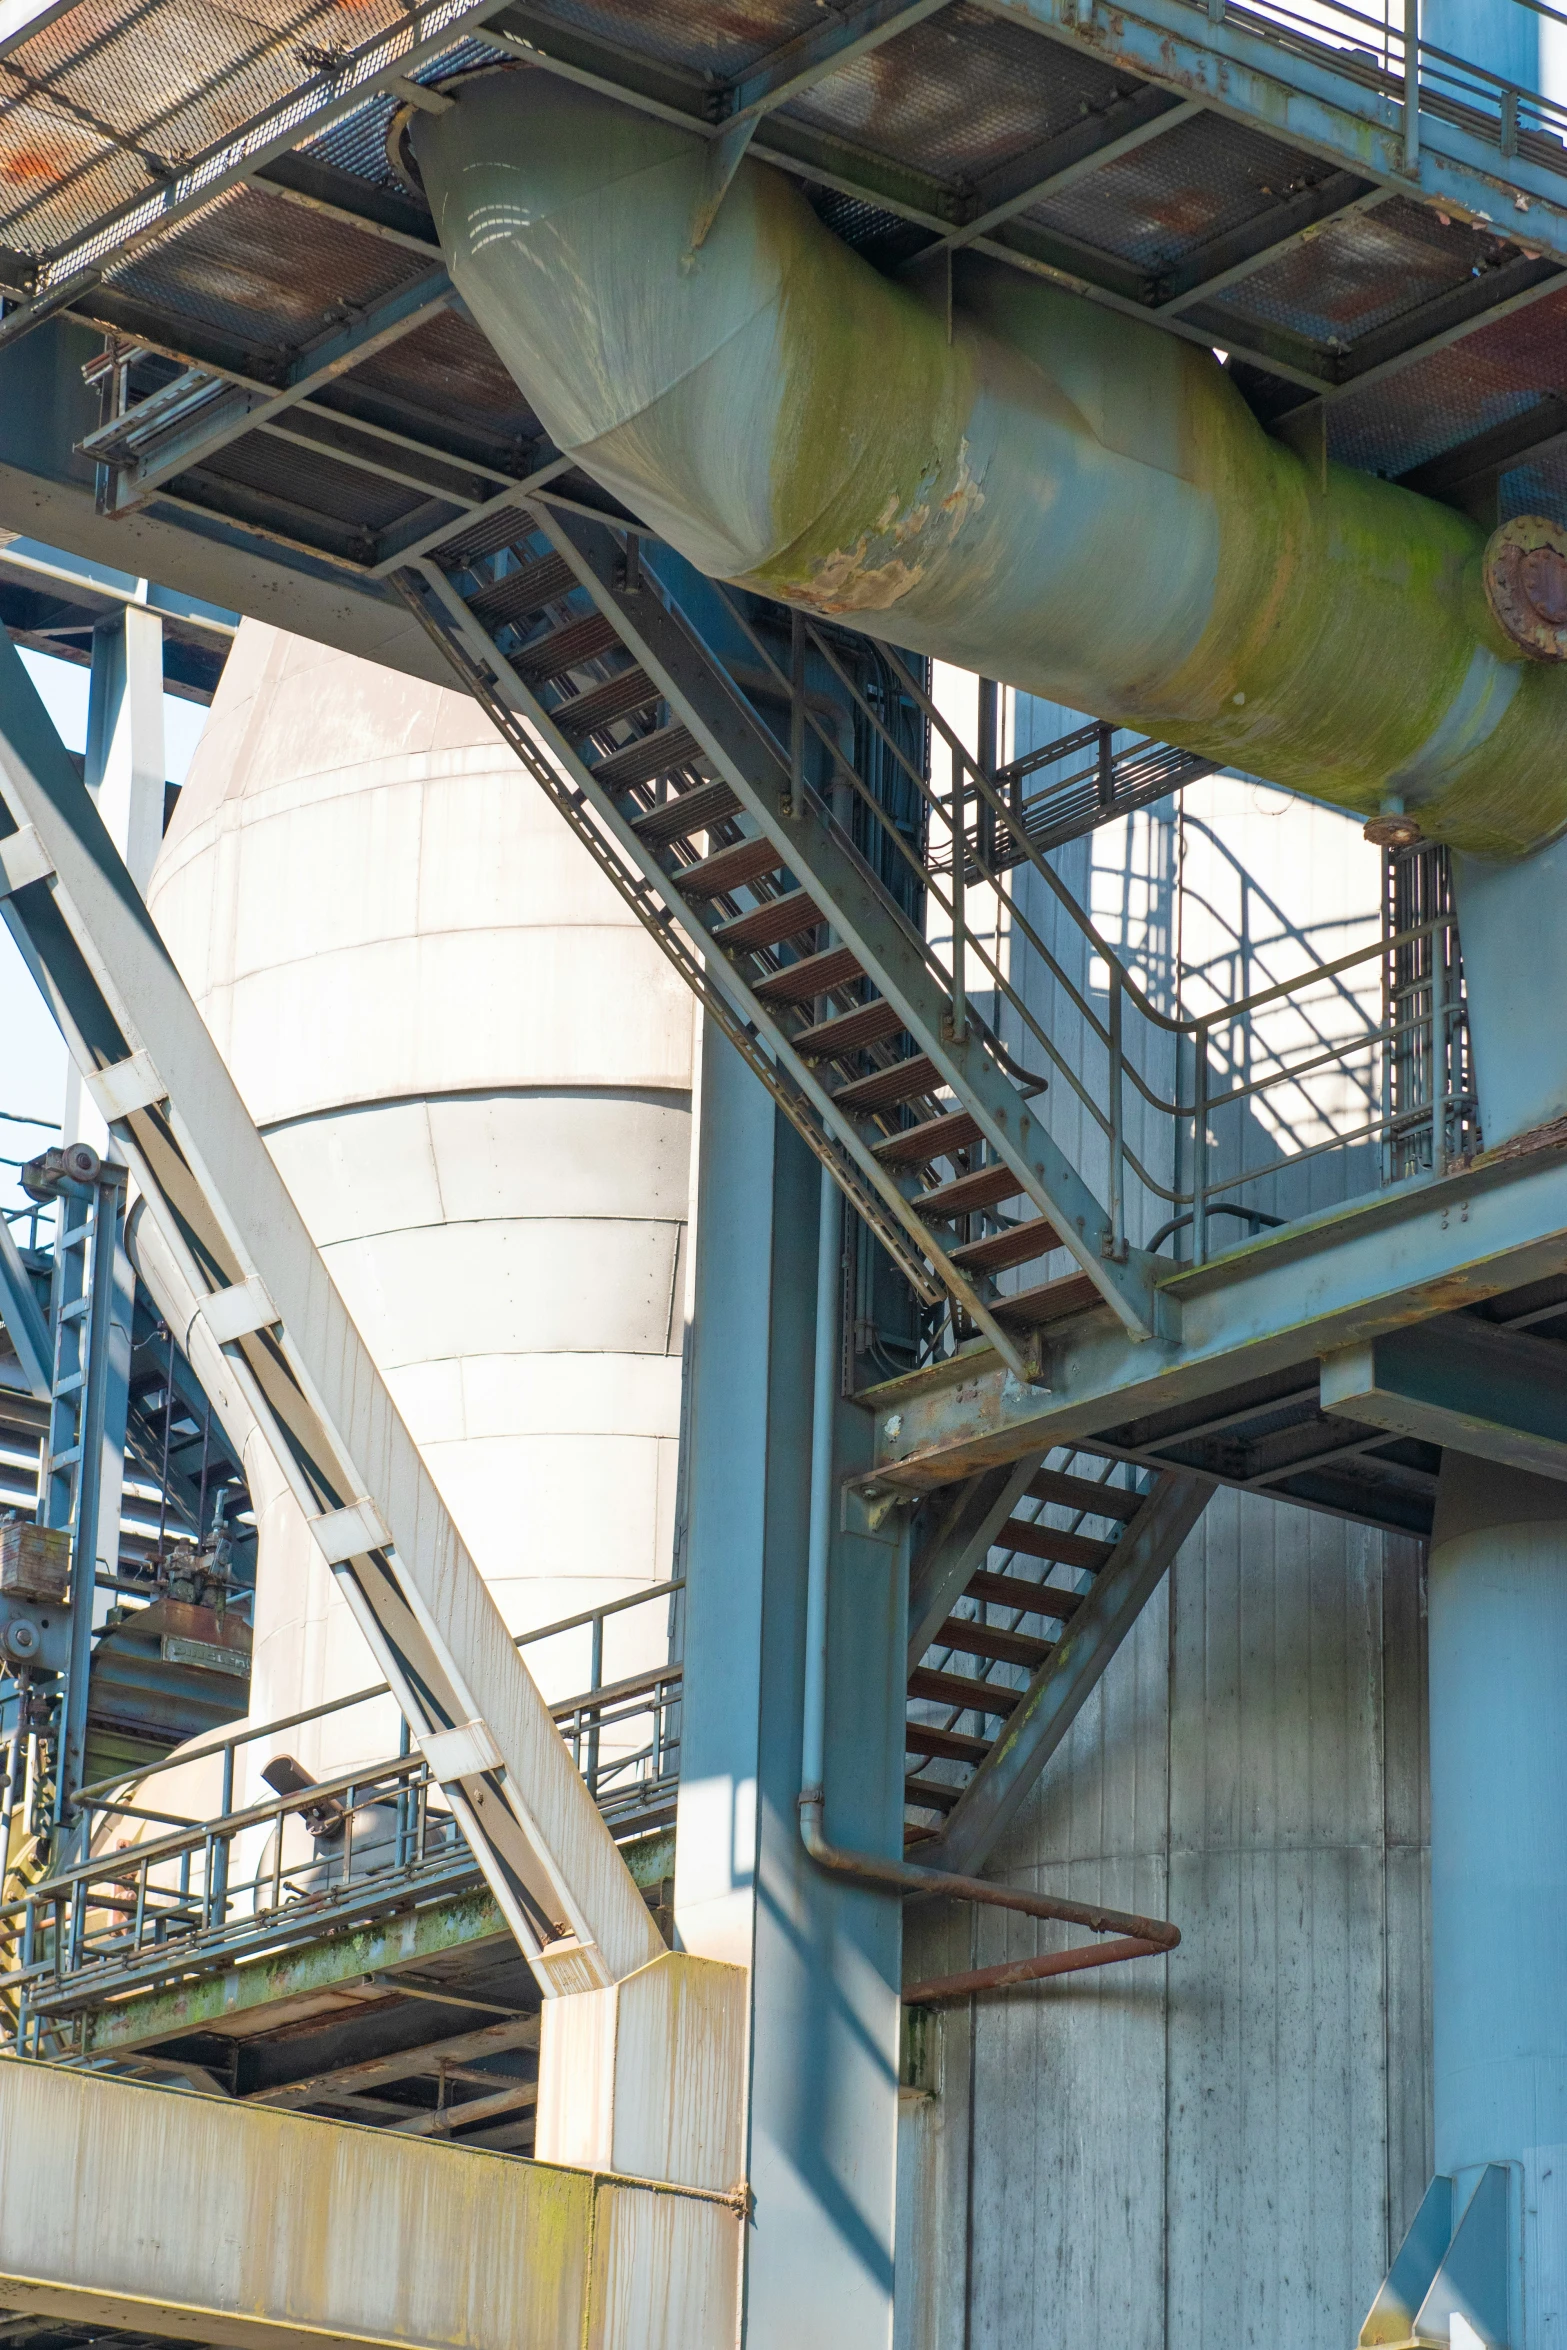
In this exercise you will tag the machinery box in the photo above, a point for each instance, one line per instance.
(35, 1561)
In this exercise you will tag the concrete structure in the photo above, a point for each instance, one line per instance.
(405, 961)
(295, 2230)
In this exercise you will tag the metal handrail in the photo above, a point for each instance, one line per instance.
(247, 1734)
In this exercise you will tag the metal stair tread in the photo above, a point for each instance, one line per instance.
(944, 1745)
(885, 1089)
(1051, 1301)
(934, 1138)
(523, 591)
(985, 1188)
(1085, 1493)
(729, 869)
(965, 1690)
(1037, 1540)
(581, 638)
(696, 810)
(973, 1638)
(1033, 1599)
(617, 697)
(848, 1032)
(769, 924)
(811, 976)
(998, 1252)
(931, 1794)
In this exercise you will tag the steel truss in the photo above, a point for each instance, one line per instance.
(160, 1084)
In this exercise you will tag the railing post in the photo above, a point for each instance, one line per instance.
(957, 1013)
(595, 1681)
(405, 1801)
(1412, 87)
(796, 714)
(1440, 1079)
(1200, 1144)
(220, 1856)
(1117, 1115)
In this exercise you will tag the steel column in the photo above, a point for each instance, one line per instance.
(1498, 1665)
(824, 1956)
(1515, 965)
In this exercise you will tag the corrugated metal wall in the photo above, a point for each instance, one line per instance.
(1225, 2147)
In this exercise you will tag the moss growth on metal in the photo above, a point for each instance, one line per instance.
(1025, 484)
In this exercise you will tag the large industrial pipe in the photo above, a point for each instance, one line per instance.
(1026, 485)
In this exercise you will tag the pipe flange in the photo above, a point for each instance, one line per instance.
(1525, 570)
(1393, 831)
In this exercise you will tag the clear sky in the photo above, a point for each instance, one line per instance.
(32, 1054)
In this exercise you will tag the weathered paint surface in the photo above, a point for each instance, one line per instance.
(314, 1974)
(1045, 492)
(270, 2228)
(647, 2076)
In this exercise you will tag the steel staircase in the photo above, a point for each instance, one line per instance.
(1003, 1652)
(734, 824)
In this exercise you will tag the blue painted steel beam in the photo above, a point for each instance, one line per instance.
(1244, 74)
(191, 419)
(1501, 1394)
(1334, 1280)
(23, 1318)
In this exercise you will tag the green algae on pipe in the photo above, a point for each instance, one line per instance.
(1044, 491)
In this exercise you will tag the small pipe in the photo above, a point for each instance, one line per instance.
(1140, 1936)
(1030, 1970)
(813, 1754)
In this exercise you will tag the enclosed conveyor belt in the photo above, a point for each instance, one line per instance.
(996, 472)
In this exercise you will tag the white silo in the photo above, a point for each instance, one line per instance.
(474, 1071)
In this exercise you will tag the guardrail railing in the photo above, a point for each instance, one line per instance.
(179, 1896)
(1198, 1125)
(1416, 75)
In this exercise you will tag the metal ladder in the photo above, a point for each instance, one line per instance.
(90, 1204)
(736, 845)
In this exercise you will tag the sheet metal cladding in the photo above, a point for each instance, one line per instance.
(1040, 489)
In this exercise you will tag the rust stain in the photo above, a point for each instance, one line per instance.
(29, 165)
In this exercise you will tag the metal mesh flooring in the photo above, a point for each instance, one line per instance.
(211, 185)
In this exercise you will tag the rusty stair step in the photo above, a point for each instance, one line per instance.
(943, 1745)
(998, 1252)
(884, 1089)
(1051, 1301)
(972, 1638)
(1086, 1493)
(983, 1189)
(620, 696)
(655, 754)
(848, 1032)
(963, 1690)
(696, 810)
(931, 1794)
(811, 976)
(728, 869)
(936, 1138)
(1034, 1599)
(582, 638)
(768, 925)
(1039, 1541)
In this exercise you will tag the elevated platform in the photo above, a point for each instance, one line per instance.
(1327, 1362)
(290, 389)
